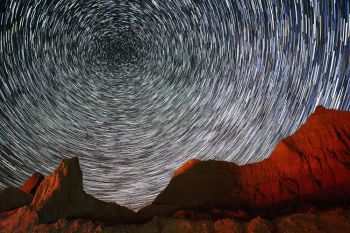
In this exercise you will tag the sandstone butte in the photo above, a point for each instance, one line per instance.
(309, 168)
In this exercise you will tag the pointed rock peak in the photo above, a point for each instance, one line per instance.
(61, 195)
(69, 164)
(320, 109)
(69, 169)
(32, 184)
(66, 182)
(186, 166)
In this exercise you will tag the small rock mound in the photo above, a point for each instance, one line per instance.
(206, 183)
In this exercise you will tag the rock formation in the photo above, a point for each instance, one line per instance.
(61, 195)
(310, 167)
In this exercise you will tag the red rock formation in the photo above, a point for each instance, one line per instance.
(61, 195)
(312, 166)
(31, 185)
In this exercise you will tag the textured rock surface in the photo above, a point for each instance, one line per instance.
(334, 221)
(312, 166)
(61, 195)
(258, 225)
(11, 198)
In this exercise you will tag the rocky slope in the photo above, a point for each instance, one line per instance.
(309, 168)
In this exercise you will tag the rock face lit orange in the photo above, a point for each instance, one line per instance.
(31, 185)
(310, 167)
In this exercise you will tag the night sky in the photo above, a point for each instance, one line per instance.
(137, 87)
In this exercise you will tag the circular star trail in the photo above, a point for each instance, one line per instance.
(135, 88)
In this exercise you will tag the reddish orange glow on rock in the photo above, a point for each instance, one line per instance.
(186, 166)
(310, 167)
(31, 185)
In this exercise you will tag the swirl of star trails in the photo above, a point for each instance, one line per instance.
(135, 88)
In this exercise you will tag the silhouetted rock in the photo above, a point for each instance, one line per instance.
(310, 167)
(12, 198)
(61, 195)
(31, 185)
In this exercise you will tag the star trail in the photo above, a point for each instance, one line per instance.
(136, 88)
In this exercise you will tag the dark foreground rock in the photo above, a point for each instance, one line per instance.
(11, 198)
